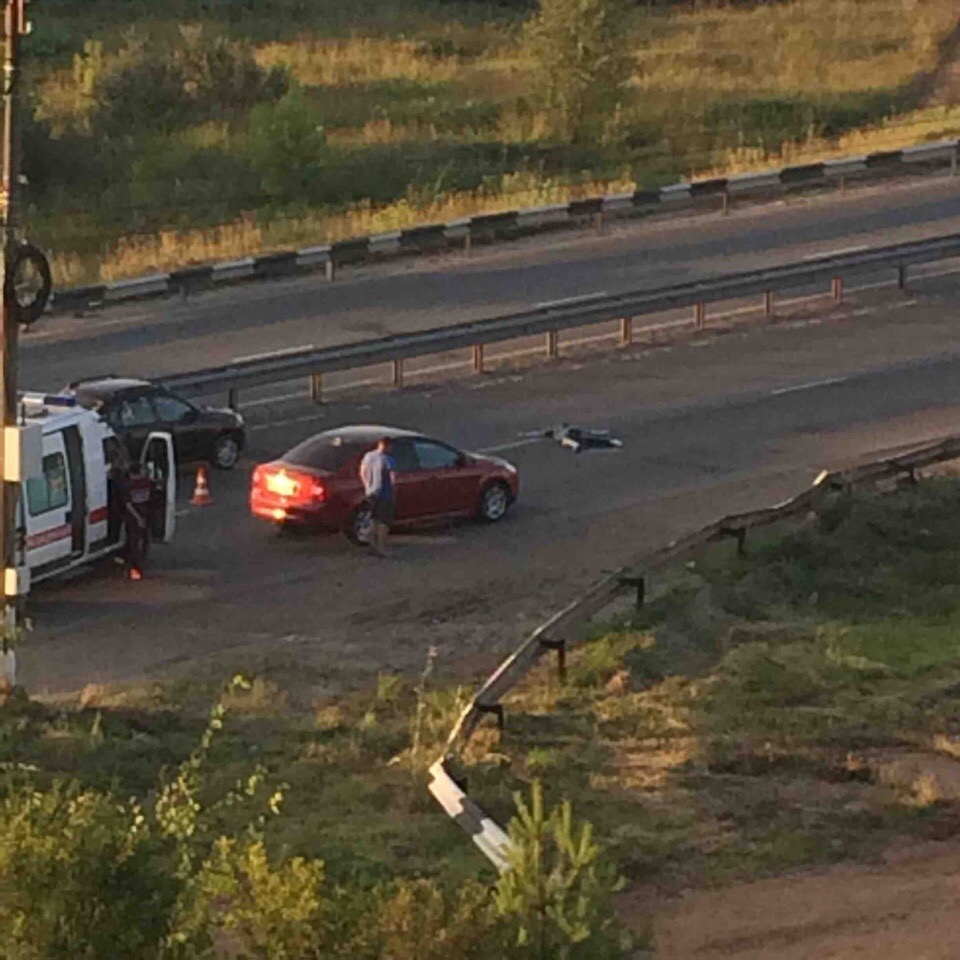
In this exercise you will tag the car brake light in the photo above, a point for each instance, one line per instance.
(282, 484)
(290, 484)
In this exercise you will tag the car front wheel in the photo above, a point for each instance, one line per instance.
(494, 502)
(226, 451)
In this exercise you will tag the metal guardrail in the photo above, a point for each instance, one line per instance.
(548, 319)
(461, 234)
(560, 631)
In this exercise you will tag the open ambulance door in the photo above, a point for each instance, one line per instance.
(159, 463)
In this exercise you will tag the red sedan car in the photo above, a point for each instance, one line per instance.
(317, 483)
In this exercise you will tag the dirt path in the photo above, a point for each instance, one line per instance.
(905, 908)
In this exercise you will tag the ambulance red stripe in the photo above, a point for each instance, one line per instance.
(99, 515)
(49, 536)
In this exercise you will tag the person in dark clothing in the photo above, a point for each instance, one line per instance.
(137, 505)
(118, 483)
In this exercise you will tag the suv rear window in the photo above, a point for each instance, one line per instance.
(326, 453)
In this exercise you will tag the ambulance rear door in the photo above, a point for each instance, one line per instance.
(160, 463)
(48, 509)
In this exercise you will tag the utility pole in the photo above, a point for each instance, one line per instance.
(14, 26)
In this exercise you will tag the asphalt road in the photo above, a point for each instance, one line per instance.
(162, 337)
(712, 425)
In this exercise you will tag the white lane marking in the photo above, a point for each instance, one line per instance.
(438, 368)
(273, 353)
(68, 333)
(353, 384)
(286, 423)
(812, 385)
(837, 253)
(566, 301)
(514, 445)
(280, 398)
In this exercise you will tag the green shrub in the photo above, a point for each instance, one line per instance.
(417, 920)
(80, 877)
(287, 146)
(172, 85)
(274, 913)
(582, 55)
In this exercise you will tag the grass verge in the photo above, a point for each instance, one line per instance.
(792, 706)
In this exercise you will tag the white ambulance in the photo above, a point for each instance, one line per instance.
(64, 514)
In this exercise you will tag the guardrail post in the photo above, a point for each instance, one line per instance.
(398, 373)
(725, 201)
(478, 358)
(836, 289)
(330, 269)
(626, 331)
(902, 277)
(699, 315)
(183, 292)
(598, 222)
(561, 647)
(552, 348)
(467, 241)
(741, 536)
(953, 161)
(316, 387)
(768, 304)
(233, 398)
(497, 710)
(640, 585)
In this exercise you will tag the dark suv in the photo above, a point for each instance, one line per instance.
(136, 408)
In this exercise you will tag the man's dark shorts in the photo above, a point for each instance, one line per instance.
(381, 509)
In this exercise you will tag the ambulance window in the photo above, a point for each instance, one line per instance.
(48, 492)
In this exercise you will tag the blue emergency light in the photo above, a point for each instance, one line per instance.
(49, 399)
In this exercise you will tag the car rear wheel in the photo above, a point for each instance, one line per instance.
(494, 502)
(226, 451)
(360, 526)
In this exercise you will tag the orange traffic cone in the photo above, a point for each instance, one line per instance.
(201, 491)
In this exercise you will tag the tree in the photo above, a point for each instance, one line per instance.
(556, 895)
(581, 51)
(287, 145)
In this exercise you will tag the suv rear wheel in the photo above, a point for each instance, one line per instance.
(226, 451)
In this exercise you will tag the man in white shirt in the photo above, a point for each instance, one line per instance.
(378, 473)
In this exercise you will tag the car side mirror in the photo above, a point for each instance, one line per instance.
(462, 459)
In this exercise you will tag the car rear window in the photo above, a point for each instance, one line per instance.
(326, 453)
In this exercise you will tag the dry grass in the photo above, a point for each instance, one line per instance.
(917, 127)
(134, 256)
(828, 46)
(718, 89)
(358, 60)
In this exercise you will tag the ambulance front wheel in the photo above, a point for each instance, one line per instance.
(226, 451)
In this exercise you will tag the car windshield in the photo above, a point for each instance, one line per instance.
(326, 453)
